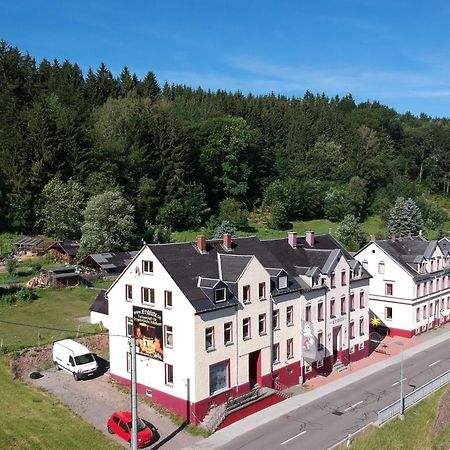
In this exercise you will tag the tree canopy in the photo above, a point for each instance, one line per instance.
(180, 155)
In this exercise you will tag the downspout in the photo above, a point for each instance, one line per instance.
(271, 338)
(237, 351)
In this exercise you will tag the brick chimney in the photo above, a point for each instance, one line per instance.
(201, 243)
(227, 241)
(310, 238)
(393, 237)
(373, 237)
(410, 235)
(292, 239)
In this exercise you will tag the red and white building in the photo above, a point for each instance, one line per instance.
(215, 318)
(410, 288)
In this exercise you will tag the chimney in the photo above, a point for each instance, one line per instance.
(310, 238)
(420, 233)
(201, 243)
(410, 235)
(373, 237)
(292, 239)
(393, 238)
(227, 241)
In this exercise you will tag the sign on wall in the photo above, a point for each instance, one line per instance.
(309, 342)
(148, 329)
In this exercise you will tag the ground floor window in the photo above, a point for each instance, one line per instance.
(361, 346)
(352, 349)
(320, 363)
(308, 368)
(169, 374)
(219, 377)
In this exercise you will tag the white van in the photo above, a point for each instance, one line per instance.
(75, 358)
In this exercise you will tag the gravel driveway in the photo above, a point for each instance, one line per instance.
(96, 399)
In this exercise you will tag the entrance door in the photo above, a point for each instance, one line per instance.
(336, 342)
(254, 368)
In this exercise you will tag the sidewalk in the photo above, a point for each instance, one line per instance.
(325, 385)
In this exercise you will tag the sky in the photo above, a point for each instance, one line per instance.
(396, 52)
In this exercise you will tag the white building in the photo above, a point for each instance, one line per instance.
(215, 318)
(410, 288)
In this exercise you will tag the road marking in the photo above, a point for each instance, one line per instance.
(433, 364)
(398, 382)
(293, 437)
(351, 407)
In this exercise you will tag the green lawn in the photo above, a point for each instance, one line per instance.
(54, 308)
(33, 419)
(373, 225)
(413, 433)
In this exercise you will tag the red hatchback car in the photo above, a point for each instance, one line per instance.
(120, 423)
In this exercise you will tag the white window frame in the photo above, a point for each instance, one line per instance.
(167, 295)
(168, 331)
(276, 353)
(307, 368)
(149, 268)
(224, 299)
(209, 331)
(246, 290)
(263, 285)
(246, 324)
(129, 292)
(129, 323)
(282, 282)
(168, 374)
(289, 315)
(151, 296)
(319, 363)
(230, 326)
(290, 348)
(386, 308)
(381, 267)
(276, 319)
(262, 320)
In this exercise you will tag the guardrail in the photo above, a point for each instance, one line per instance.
(412, 398)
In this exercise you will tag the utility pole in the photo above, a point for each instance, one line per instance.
(134, 416)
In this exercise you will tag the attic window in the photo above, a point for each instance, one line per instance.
(220, 295)
(147, 266)
(282, 282)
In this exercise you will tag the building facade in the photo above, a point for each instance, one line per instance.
(410, 288)
(213, 319)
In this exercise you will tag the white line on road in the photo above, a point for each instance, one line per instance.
(433, 364)
(293, 437)
(351, 407)
(397, 382)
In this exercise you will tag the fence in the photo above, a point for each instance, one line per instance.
(410, 399)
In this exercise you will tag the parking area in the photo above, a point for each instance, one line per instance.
(96, 399)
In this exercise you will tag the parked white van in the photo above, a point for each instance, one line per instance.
(75, 358)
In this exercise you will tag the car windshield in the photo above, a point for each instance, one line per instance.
(141, 425)
(84, 359)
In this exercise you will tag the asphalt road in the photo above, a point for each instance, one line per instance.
(326, 421)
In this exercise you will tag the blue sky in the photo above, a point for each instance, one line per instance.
(394, 51)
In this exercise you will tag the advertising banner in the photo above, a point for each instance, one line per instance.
(148, 329)
(309, 342)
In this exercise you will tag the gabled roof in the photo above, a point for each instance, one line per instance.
(408, 251)
(186, 264)
(232, 266)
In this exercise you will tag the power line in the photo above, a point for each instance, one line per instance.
(43, 327)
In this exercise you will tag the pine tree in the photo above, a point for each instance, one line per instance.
(405, 217)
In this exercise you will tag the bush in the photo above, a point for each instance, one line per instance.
(234, 212)
(279, 216)
(13, 295)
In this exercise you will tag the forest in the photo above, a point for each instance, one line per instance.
(173, 157)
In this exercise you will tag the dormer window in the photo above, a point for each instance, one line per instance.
(220, 295)
(282, 282)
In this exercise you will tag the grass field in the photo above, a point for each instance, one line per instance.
(413, 433)
(33, 419)
(59, 309)
(373, 225)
